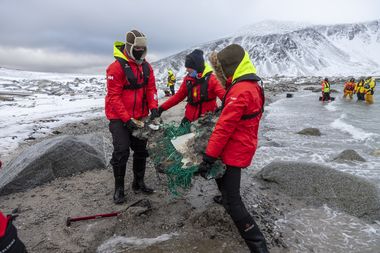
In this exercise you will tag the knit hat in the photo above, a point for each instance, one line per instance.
(195, 60)
(134, 39)
(230, 58)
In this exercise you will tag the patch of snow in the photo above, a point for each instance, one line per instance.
(118, 242)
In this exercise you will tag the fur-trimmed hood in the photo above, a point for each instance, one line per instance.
(215, 64)
(231, 63)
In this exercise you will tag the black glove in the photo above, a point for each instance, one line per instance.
(218, 109)
(130, 125)
(206, 165)
(154, 114)
(160, 111)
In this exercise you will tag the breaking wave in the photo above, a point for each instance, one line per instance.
(356, 132)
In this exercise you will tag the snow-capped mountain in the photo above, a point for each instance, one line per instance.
(270, 27)
(294, 49)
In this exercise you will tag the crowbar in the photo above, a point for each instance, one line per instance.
(70, 220)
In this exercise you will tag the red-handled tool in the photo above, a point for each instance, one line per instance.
(91, 217)
(69, 220)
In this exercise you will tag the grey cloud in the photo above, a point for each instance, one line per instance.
(90, 27)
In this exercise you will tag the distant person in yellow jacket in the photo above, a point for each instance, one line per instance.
(325, 90)
(369, 86)
(359, 89)
(349, 88)
(171, 81)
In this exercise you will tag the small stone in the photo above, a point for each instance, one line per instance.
(310, 131)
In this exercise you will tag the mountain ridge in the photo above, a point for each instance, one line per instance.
(315, 50)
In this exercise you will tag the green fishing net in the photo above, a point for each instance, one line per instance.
(180, 167)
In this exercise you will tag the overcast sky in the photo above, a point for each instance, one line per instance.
(78, 35)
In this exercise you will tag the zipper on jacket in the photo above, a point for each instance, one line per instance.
(139, 74)
(134, 105)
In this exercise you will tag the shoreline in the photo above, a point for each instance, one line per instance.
(43, 210)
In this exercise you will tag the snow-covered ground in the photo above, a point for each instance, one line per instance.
(32, 103)
(50, 100)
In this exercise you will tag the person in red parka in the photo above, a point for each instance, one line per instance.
(131, 94)
(200, 87)
(9, 241)
(234, 139)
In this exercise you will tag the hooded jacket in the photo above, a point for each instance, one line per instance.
(369, 86)
(191, 86)
(359, 88)
(234, 138)
(122, 102)
(3, 224)
(171, 78)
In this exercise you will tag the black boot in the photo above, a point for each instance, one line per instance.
(138, 185)
(252, 235)
(118, 196)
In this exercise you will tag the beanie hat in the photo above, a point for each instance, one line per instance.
(195, 60)
(134, 39)
(230, 58)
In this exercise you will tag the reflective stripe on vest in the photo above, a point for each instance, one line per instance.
(326, 87)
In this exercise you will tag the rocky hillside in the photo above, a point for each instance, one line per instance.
(296, 50)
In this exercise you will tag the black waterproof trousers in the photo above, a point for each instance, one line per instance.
(172, 90)
(360, 96)
(325, 96)
(229, 186)
(122, 141)
(10, 243)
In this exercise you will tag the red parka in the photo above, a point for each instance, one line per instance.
(122, 103)
(3, 224)
(194, 111)
(234, 139)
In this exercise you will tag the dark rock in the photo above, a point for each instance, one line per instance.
(349, 155)
(30, 138)
(312, 88)
(316, 185)
(289, 95)
(52, 158)
(310, 131)
(271, 144)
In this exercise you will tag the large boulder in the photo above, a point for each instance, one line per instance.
(310, 131)
(52, 158)
(316, 185)
(349, 155)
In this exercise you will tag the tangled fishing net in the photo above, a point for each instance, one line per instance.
(177, 150)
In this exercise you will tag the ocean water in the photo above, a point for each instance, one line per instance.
(344, 124)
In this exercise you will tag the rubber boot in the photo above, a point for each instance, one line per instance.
(118, 196)
(138, 185)
(252, 235)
